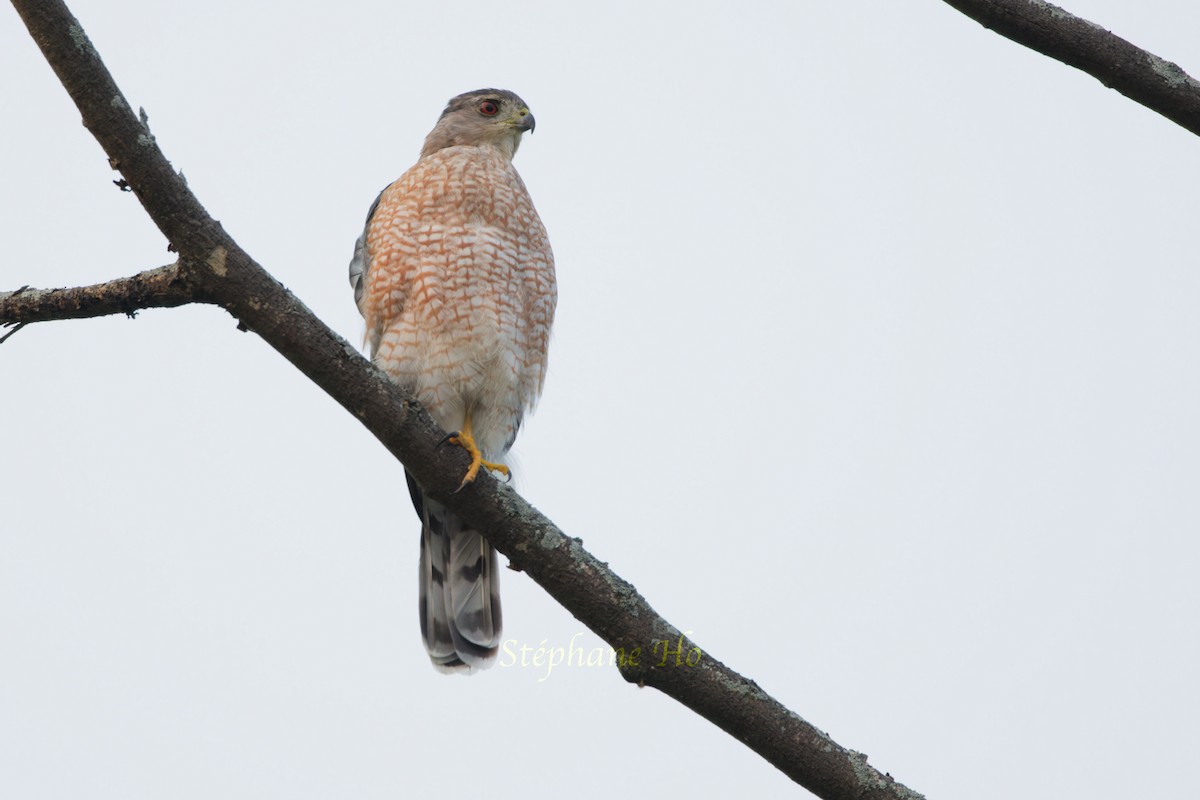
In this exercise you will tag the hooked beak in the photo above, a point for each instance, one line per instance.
(525, 122)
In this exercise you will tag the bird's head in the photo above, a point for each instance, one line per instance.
(484, 117)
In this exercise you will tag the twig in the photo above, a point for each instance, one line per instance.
(9, 335)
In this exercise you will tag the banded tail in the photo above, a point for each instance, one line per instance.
(459, 590)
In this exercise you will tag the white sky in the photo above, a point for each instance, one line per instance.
(875, 368)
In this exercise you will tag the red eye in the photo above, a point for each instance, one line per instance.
(488, 108)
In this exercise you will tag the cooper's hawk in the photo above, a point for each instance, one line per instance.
(455, 278)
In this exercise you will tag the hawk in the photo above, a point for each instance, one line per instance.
(455, 278)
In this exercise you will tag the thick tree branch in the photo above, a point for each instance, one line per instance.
(1141, 76)
(212, 268)
(163, 287)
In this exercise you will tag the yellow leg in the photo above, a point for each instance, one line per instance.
(466, 441)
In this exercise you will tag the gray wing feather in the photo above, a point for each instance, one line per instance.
(360, 263)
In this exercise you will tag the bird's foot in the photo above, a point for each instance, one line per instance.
(466, 441)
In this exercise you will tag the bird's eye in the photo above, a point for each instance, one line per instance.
(489, 108)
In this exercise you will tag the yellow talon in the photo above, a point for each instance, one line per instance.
(466, 441)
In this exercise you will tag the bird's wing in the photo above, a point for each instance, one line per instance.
(360, 264)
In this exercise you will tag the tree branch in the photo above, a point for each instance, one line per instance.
(163, 287)
(213, 268)
(1158, 84)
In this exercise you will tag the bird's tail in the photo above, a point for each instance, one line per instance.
(459, 590)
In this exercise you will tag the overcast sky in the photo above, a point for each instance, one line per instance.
(875, 368)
